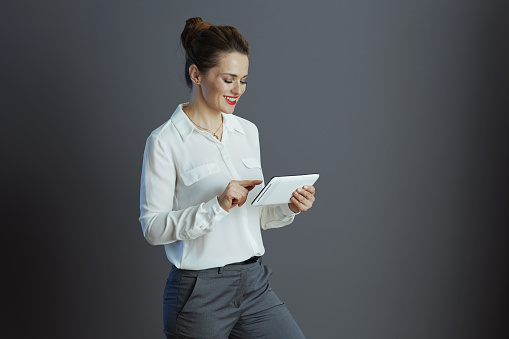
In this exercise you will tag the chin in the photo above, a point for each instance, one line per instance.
(228, 110)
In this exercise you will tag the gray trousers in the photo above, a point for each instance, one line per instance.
(235, 301)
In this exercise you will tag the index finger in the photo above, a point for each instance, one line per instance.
(309, 188)
(248, 183)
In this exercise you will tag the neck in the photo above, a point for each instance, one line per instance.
(201, 113)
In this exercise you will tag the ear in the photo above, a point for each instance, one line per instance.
(194, 74)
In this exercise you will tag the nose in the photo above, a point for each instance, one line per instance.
(237, 88)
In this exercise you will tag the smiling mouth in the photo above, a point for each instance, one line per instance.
(231, 100)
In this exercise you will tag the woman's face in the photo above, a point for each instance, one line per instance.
(223, 85)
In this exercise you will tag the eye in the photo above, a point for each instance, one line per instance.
(228, 81)
(244, 82)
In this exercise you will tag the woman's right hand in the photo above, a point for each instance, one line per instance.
(236, 193)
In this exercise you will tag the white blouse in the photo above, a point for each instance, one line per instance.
(184, 170)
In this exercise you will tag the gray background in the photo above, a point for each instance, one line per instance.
(401, 106)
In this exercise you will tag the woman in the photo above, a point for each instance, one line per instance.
(201, 170)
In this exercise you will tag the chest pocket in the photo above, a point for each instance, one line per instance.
(251, 163)
(195, 174)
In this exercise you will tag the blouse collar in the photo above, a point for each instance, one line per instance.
(185, 127)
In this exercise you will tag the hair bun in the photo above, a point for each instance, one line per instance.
(194, 26)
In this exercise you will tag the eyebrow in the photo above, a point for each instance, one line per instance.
(233, 75)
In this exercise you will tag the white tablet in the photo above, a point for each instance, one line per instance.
(279, 190)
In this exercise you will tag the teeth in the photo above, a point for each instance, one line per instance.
(230, 98)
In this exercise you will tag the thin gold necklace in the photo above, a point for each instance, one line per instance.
(206, 129)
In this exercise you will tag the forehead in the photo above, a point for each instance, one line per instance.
(234, 63)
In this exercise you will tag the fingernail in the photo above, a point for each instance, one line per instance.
(299, 190)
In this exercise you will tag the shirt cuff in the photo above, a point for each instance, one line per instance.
(287, 211)
(215, 211)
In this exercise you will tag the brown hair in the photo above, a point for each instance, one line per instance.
(204, 44)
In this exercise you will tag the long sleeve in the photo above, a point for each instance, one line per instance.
(273, 216)
(160, 223)
(276, 216)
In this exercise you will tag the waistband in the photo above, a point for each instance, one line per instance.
(251, 260)
(246, 264)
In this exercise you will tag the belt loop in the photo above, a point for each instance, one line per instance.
(220, 270)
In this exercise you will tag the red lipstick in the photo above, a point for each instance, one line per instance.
(231, 100)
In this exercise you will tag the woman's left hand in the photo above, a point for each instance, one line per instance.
(302, 199)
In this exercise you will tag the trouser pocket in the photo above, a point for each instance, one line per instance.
(178, 292)
(187, 289)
